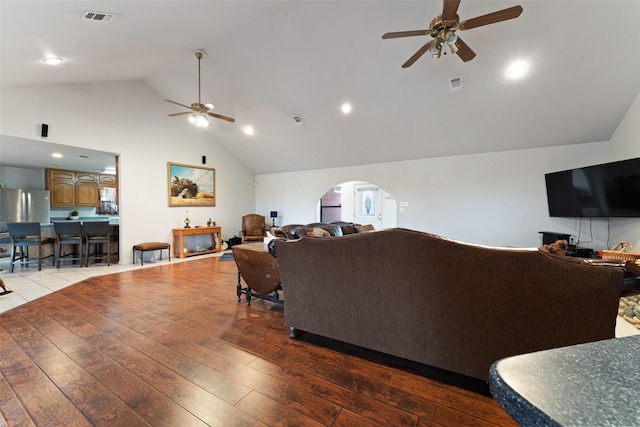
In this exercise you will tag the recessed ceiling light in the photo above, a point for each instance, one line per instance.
(346, 108)
(56, 155)
(517, 69)
(249, 130)
(52, 61)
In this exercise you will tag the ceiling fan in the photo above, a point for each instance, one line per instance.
(443, 30)
(200, 111)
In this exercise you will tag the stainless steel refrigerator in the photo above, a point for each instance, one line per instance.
(18, 205)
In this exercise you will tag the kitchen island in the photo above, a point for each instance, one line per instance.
(593, 384)
(48, 230)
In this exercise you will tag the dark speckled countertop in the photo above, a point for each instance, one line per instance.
(594, 384)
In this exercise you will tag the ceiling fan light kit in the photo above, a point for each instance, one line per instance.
(199, 114)
(443, 30)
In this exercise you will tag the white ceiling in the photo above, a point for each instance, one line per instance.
(270, 60)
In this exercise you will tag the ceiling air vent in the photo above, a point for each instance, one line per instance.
(97, 16)
(455, 84)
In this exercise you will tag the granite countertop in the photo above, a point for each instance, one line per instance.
(594, 384)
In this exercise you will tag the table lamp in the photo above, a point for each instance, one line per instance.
(274, 215)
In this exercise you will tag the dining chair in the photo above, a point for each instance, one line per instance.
(69, 233)
(25, 235)
(98, 233)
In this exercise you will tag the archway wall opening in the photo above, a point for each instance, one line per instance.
(295, 195)
(360, 202)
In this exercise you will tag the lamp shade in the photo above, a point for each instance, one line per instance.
(273, 214)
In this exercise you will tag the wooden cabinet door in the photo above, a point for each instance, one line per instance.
(62, 175)
(86, 177)
(86, 194)
(62, 193)
(61, 185)
(107, 180)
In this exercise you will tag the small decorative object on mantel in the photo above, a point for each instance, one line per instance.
(209, 223)
(75, 215)
(187, 221)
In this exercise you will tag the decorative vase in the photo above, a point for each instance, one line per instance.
(186, 223)
(75, 217)
(209, 223)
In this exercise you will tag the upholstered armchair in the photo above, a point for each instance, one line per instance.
(253, 228)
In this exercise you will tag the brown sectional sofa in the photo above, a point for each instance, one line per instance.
(443, 303)
(334, 229)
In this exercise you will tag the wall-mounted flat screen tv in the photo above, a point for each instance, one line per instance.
(606, 190)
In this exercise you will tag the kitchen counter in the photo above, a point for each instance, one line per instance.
(594, 384)
(115, 221)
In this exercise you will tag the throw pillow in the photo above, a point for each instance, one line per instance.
(348, 229)
(363, 228)
(318, 232)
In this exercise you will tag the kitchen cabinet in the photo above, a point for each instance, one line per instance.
(107, 180)
(71, 188)
(62, 193)
(86, 194)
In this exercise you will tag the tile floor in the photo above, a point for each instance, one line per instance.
(28, 284)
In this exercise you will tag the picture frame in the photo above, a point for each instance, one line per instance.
(191, 185)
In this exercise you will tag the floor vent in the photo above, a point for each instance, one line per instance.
(455, 84)
(97, 16)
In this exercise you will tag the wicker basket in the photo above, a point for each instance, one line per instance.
(623, 251)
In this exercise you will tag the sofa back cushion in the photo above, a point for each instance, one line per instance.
(347, 227)
(289, 231)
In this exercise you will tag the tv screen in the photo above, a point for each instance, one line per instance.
(606, 190)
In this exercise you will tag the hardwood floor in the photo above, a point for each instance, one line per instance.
(171, 346)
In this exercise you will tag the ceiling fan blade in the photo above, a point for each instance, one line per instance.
(464, 51)
(218, 116)
(412, 33)
(491, 18)
(449, 9)
(418, 54)
(177, 103)
(180, 114)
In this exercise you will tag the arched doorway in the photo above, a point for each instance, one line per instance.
(360, 202)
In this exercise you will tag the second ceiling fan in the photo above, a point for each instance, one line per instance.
(443, 30)
(200, 111)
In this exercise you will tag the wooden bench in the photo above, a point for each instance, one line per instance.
(150, 246)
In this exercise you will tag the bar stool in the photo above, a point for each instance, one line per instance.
(23, 236)
(69, 233)
(97, 233)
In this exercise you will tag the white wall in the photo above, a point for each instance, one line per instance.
(130, 119)
(625, 144)
(493, 199)
(31, 179)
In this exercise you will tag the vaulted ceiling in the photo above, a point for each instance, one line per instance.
(270, 60)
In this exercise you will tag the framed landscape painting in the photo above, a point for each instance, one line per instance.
(191, 185)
